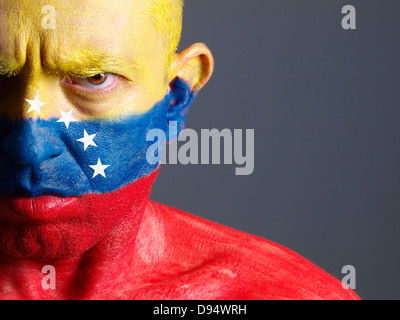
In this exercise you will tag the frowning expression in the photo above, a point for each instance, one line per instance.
(78, 97)
(75, 105)
(103, 58)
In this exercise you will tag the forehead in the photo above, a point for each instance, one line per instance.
(112, 26)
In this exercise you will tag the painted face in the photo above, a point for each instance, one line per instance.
(76, 103)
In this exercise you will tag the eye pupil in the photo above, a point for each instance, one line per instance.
(98, 78)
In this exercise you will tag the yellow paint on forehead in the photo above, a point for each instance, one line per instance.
(90, 37)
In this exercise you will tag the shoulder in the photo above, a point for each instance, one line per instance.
(240, 265)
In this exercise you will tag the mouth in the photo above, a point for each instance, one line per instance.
(42, 208)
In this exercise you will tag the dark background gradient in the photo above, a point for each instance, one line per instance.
(325, 106)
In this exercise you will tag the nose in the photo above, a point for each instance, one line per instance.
(30, 142)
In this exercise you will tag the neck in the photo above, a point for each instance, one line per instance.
(95, 272)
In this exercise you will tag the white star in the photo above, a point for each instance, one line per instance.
(99, 169)
(35, 104)
(87, 140)
(66, 117)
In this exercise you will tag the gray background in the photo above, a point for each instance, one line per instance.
(324, 103)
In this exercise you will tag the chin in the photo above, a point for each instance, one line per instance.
(49, 241)
(29, 229)
(49, 228)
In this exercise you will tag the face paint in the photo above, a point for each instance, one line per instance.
(40, 157)
(70, 229)
(50, 187)
(44, 157)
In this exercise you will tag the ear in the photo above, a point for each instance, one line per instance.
(193, 65)
(189, 72)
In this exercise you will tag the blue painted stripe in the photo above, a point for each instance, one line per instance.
(44, 157)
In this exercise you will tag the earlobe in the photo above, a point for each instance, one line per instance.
(193, 65)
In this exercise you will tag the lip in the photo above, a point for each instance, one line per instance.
(40, 208)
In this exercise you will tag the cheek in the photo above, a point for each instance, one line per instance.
(121, 145)
(44, 157)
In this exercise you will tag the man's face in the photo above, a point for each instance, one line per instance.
(104, 62)
(90, 37)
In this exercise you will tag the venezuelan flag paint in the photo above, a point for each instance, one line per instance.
(64, 157)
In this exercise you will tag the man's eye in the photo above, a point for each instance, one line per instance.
(98, 81)
(98, 78)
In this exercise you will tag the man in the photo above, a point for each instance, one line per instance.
(77, 97)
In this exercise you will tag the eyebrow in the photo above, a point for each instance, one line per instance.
(78, 64)
(9, 67)
(88, 64)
